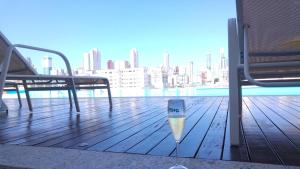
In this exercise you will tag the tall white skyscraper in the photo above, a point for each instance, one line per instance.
(223, 60)
(133, 58)
(47, 65)
(86, 61)
(191, 71)
(95, 59)
(92, 60)
(208, 61)
(166, 59)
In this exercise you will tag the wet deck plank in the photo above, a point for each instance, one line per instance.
(270, 127)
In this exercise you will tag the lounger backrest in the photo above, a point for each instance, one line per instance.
(18, 64)
(274, 27)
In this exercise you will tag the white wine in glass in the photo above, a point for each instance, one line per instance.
(176, 116)
(176, 124)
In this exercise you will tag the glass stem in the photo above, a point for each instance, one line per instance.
(177, 146)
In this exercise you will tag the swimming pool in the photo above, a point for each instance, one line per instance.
(197, 91)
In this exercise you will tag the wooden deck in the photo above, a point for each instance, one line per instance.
(271, 127)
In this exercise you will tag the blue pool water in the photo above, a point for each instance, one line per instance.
(247, 91)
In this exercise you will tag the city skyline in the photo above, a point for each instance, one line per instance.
(132, 60)
(91, 61)
(127, 74)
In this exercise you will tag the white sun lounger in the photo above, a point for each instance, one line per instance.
(264, 50)
(15, 68)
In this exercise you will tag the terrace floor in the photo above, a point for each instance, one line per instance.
(270, 125)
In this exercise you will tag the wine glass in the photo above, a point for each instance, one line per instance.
(176, 116)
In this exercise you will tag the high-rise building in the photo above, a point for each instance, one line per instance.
(134, 78)
(133, 58)
(57, 71)
(166, 59)
(110, 64)
(191, 71)
(176, 70)
(113, 75)
(92, 60)
(126, 78)
(223, 74)
(208, 61)
(47, 65)
(158, 78)
(86, 62)
(95, 59)
(223, 60)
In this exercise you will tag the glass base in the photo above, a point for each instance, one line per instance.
(178, 167)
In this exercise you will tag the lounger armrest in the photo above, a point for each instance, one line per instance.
(65, 59)
(247, 68)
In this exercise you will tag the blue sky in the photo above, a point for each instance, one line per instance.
(187, 29)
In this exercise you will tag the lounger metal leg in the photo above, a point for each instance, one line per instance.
(235, 103)
(19, 97)
(240, 97)
(75, 96)
(70, 99)
(3, 107)
(75, 100)
(27, 95)
(4, 69)
(109, 95)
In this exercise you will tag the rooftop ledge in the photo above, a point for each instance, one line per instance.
(16, 156)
